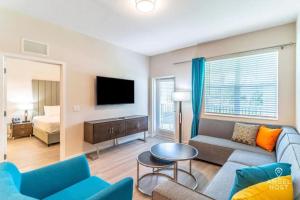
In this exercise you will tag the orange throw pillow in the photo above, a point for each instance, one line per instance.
(267, 137)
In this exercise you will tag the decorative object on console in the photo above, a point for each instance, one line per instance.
(267, 137)
(245, 133)
(15, 120)
(181, 96)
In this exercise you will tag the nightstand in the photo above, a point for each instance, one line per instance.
(23, 129)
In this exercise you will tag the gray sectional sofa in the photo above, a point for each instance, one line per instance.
(215, 145)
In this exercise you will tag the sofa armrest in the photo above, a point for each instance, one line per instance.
(48, 180)
(120, 190)
(170, 190)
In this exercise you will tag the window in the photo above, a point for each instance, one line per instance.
(165, 104)
(243, 86)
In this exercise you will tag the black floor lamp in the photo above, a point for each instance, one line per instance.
(181, 96)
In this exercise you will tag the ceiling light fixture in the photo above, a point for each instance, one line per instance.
(145, 5)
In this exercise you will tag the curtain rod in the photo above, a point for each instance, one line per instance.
(265, 48)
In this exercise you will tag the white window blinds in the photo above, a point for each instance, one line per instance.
(243, 86)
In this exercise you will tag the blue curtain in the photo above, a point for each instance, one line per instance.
(198, 67)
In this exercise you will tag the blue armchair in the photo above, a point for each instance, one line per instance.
(69, 179)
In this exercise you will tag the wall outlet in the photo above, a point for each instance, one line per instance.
(76, 108)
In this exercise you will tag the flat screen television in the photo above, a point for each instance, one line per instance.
(114, 91)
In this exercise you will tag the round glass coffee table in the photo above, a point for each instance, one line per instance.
(177, 152)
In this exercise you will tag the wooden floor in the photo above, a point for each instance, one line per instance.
(30, 153)
(114, 163)
(119, 162)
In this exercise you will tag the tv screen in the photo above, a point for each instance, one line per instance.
(114, 91)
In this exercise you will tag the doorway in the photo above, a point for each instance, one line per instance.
(165, 107)
(33, 124)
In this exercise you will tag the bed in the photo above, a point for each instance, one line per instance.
(46, 111)
(46, 128)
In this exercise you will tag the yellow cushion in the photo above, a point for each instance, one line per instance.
(280, 188)
(266, 137)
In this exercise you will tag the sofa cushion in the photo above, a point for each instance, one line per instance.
(48, 180)
(245, 133)
(296, 184)
(224, 128)
(229, 144)
(251, 158)
(267, 137)
(12, 170)
(285, 129)
(282, 145)
(122, 189)
(81, 190)
(286, 140)
(167, 191)
(10, 181)
(268, 190)
(218, 150)
(248, 176)
(292, 155)
(216, 128)
(220, 186)
(8, 189)
(209, 152)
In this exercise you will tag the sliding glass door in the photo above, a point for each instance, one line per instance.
(165, 107)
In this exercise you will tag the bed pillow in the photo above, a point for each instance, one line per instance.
(245, 133)
(267, 137)
(277, 188)
(248, 176)
(52, 110)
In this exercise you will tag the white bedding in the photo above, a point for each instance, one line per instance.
(50, 124)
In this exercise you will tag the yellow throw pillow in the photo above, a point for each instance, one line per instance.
(280, 188)
(266, 137)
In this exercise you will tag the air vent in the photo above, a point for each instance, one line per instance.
(34, 47)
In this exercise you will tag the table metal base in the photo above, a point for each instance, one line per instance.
(149, 181)
(183, 177)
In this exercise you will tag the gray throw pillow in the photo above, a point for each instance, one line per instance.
(245, 133)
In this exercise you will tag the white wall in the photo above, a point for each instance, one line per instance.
(298, 74)
(162, 65)
(20, 74)
(85, 58)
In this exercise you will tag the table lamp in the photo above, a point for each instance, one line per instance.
(181, 96)
(26, 107)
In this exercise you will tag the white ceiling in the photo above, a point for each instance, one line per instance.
(174, 24)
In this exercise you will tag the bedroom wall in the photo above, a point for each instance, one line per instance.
(20, 74)
(85, 57)
(162, 65)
